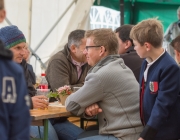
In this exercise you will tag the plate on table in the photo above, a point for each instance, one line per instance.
(55, 106)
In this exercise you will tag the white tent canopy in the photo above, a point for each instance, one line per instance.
(47, 23)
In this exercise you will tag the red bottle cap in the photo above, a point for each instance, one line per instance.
(43, 74)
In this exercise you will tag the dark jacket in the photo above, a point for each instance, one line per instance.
(160, 103)
(31, 89)
(31, 73)
(4, 53)
(14, 110)
(61, 71)
(133, 61)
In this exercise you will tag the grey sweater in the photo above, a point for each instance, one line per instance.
(113, 86)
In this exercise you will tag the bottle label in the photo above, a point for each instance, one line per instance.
(43, 86)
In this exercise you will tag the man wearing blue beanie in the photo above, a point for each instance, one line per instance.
(11, 36)
(15, 41)
(14, 101)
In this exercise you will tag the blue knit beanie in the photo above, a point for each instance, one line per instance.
(11, 36)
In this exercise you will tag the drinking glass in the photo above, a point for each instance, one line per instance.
(43, 92)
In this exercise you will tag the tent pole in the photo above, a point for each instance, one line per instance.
(30, 31)
(30, 19)
(121, 11)
(34, 51)
(38, 58)
(8, 21)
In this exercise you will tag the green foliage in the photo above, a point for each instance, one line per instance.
(66, 92)
(53, 94)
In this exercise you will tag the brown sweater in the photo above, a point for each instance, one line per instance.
(61, 71)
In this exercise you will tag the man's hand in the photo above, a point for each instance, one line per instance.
(140, 139)
(40, 101)
(93, 110)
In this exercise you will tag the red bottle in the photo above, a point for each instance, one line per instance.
(43, 83)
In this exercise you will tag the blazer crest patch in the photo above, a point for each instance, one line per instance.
(153, 86)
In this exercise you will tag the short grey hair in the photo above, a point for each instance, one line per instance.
(75, 37)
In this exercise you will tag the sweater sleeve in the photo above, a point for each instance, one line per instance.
(90, 93)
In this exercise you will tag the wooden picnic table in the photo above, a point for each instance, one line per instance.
(40, 117)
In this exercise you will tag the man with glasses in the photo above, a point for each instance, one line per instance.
(68, 67)
(110, 90)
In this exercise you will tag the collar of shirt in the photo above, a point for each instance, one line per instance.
(79, 64)
(149, 64)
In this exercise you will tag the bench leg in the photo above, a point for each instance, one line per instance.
(82, 123)
(46, 129)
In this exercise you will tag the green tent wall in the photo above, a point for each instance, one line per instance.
(137, 10)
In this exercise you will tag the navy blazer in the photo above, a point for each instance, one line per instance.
(161, 101)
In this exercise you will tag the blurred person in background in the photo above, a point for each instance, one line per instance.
(14, 100)
(176, 46)
(26, 57)
(172, 32)
(126, 50)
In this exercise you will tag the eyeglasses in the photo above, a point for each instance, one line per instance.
(87, 47)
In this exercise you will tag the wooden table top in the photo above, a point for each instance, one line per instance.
(37, 114)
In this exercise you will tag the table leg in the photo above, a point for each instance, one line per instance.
(82, 123)
(46, 129)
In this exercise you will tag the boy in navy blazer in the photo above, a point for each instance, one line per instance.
(159, 82)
